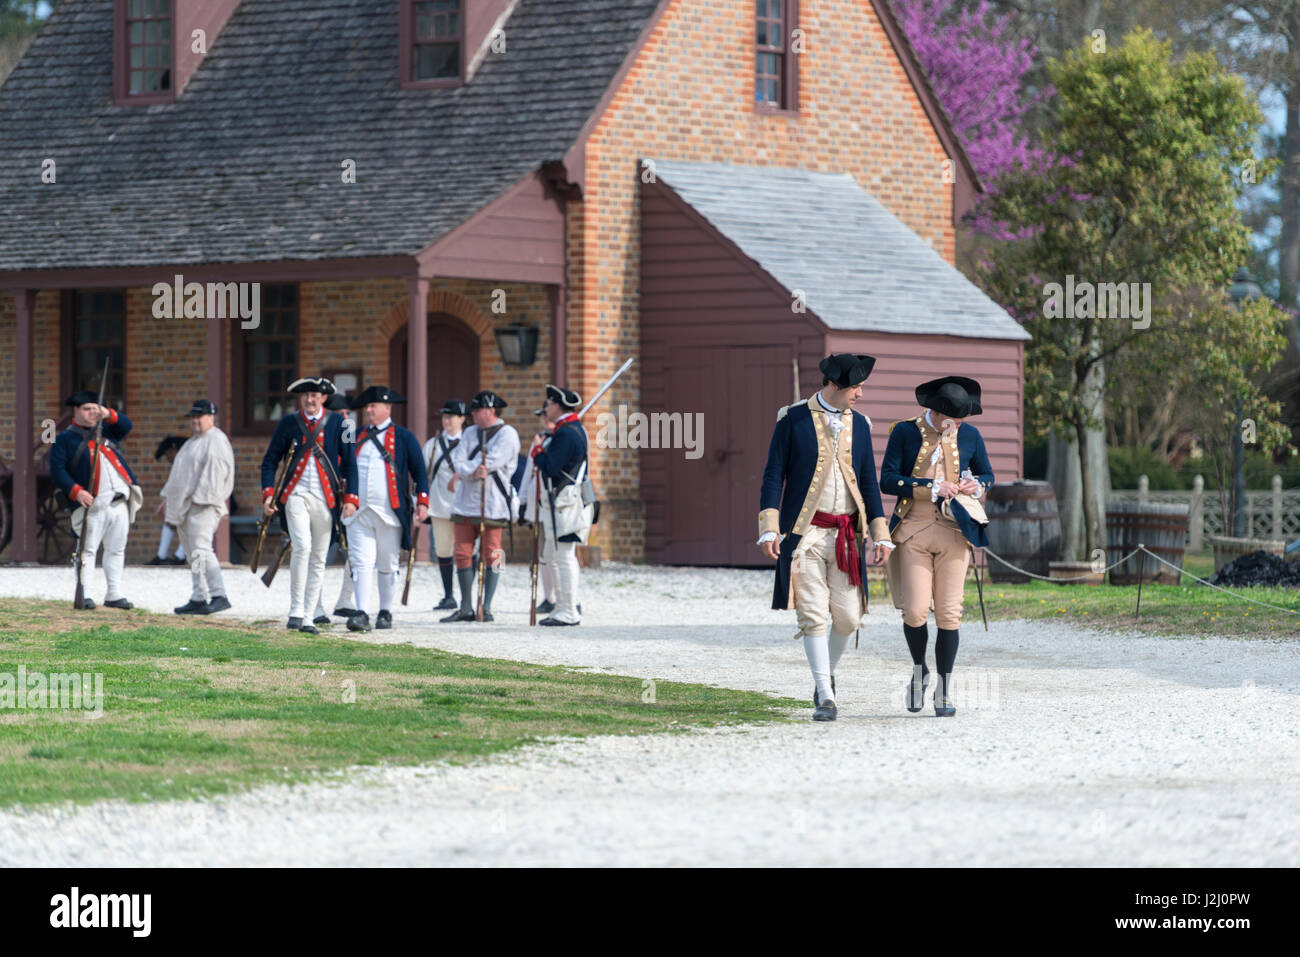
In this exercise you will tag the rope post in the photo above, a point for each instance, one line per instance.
(1142, 568)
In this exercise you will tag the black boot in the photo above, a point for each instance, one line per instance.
(492, 576)
(448, 599)
(945, 654)
(918, 637)
(466, 611)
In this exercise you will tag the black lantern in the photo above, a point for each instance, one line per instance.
(518, 344)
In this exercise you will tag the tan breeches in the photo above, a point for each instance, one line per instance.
(933, 556)
(822, 592)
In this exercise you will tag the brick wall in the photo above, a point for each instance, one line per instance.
(342, 324)
(689, 96)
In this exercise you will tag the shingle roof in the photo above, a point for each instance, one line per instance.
(246, 165)
(859, 266)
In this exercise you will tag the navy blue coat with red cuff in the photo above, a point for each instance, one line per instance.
(408, 466)
(791, 465)
(896, 477)
(70, 471)
(566, 452)
(286, 433)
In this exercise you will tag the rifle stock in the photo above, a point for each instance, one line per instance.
(269, 575)
(266, 519)
(410, 557)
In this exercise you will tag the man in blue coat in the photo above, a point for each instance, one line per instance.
(105, 501)
(312, 441)
(937, 466)
(819, 502)
(562, 462)
(385, 460)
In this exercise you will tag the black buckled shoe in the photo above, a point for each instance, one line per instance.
(446, 604)
(87, 604)
(459, 616)
(309, 629)
(321, 620)
(487, 616)
(915, 696)
(384, 619)
(118, 603)
(943, 706)
(359, 621)
(546, 607)
(293, 624)
(192, 607)
(216, 603)
(553, 621)
(815, 697)
(826, 711)
(341, 612)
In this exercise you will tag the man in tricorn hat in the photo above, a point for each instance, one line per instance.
(312, 492)
(937, 466)
(531, 510)
(566, 521)
(442, 492)
(105, 502)
(339, 402)
(485, 460)
(820, 500)
(199, 484)
(377, 509)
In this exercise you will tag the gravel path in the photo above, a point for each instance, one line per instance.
(1069, 747)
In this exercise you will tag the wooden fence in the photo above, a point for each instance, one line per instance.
(1273, 514)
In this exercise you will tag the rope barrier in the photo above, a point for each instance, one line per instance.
(1140, 548)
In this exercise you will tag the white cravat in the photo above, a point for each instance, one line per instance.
(934, 457)
(834, 417)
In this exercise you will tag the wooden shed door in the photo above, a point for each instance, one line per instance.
(712, 501)
(453, 367)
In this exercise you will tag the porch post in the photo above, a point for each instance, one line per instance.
(214, 388)
(24, 481)
(417, 357)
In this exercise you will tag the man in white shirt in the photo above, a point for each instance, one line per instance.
(485, 460)
(530, 510)
(201, 480)
(313, 439)
(376, 509)
(442, 492)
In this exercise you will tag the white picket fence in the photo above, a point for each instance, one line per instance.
(1273, 514)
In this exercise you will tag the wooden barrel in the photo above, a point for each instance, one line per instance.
(1024, 528)
(1161, 528)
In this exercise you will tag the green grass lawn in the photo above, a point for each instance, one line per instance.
(1187, 609)
(204, 707)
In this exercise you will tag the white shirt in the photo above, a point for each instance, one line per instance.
(372, 477)
(440, 497)
(502, 459)
(934, 457)
(309, 484)
(111, 483)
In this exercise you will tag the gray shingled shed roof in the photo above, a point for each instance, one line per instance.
(859, 266)
(245, 165)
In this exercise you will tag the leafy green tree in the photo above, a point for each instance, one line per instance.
(1145, 193)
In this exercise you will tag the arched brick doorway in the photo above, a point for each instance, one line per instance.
(453, 366)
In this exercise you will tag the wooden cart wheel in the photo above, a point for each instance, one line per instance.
(55, 542)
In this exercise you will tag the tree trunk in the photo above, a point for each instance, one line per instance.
(1288, 253)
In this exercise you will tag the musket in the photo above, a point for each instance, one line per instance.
(268, 576)
(605, 387)
(266, 519)
(410, 556)
(482, 543)
(537, 506)
(79, 597)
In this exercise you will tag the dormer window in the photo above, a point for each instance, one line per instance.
(148, 61)
(433, 42)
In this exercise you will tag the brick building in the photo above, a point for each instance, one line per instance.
(408, 180)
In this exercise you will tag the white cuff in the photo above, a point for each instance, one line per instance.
(979, 492)
(766, 537)
(934, 491)
(889, 545)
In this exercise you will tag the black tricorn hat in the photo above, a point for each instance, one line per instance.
(846, 369)
(565, 397)
(951, 395)
(338, 402)
(378, 393)
(168, 444)
(313, 384)
(81, 398)
(487, 399)
(455, 407)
